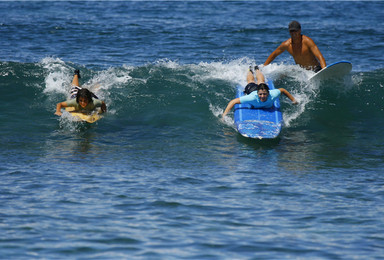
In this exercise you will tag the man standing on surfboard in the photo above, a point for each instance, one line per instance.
(302, 48)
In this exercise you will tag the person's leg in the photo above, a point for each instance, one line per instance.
(75, 84)
(259, 76)
(75, 80)
(251, 84)
(250, 76)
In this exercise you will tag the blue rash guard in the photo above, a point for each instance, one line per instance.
(253, 99)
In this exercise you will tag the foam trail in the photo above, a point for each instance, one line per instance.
(214, 82)
(57, 78)
(297, 80)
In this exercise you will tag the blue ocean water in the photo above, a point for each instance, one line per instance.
(161, 176)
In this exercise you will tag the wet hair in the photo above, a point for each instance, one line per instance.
(255, 87)
(262, 86)
(85, 93)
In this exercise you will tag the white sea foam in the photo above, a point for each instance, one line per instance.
(57, 77)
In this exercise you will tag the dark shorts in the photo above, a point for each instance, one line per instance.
(74, 91)
(253, 87)
(250, 87)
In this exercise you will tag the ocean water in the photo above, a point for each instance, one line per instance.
(161, 176)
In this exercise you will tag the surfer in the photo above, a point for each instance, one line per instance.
(302, 48)
(81, 99)
(258, 94)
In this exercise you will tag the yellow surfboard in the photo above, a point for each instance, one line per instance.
(90, 118)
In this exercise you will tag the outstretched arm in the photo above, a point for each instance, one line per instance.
(279, 50)
(230, 105)
(59, 106)
(286, 93)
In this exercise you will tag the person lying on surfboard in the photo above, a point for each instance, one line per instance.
(258, 94)
(302, 48)
(81, 99)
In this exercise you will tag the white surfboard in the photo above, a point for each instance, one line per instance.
(335, 70)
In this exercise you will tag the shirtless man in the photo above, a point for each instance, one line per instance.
(302, 48)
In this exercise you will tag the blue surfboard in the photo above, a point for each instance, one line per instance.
(258, 122)
(335, 70)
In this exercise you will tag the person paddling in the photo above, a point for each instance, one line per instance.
(258, 93)
(81, 99)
